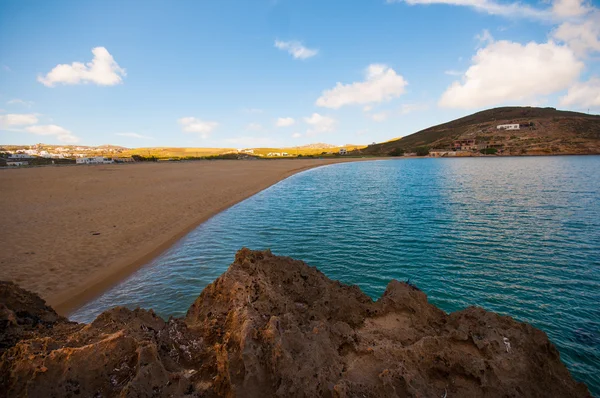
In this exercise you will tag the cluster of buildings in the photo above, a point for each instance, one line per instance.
(43, 154)
(466, 146)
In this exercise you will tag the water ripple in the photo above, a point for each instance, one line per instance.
(519, 236)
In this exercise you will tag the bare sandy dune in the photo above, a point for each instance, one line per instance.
(69, 233)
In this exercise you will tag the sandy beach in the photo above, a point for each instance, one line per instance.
(69, 233)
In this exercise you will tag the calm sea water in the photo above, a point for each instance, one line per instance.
(519, 236)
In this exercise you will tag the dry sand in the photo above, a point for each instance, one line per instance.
(68, 233)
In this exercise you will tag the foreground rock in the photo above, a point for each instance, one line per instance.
(273, 326)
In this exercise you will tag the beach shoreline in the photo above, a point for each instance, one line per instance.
(62, 246)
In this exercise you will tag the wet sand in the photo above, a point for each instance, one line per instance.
(69, 233)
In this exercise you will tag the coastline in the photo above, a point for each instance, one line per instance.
(138, 252)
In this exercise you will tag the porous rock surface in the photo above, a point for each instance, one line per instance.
(273, 326)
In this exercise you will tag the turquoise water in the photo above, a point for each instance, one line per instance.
(519, 236)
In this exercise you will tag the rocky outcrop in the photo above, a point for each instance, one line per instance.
(273, 326)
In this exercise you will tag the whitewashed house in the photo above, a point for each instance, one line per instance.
(508, 127)
(17, 162)
(94, 160)
(19, 156)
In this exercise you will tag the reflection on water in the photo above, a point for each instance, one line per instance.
(519, 236)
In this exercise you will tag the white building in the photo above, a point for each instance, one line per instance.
(343, 151)
(19, 156)
(94, 160)
(508, 127)
(17, 163)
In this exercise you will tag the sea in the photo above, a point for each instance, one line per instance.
(516, 235)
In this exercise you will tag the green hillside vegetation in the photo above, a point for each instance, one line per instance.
(551, 132)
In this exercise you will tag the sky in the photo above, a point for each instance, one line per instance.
(274, 73)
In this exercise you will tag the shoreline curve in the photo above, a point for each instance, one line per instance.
(67, 302)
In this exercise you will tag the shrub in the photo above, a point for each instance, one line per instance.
(422, 151)
(489, 151)
(396, 152)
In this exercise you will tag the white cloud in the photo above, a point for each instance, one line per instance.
(296, 49)
(583, 94)
(285, 122)
(62, 134)
(195, 125)
(454, 72)
(506, 71)
(517, 10)
(484, 38)
(134, 135)
(103, 70)
(320, 124)
(570, 8)
(296, 135)
(254, 127)
(17, 119)
(380, 117)
(581, 37)
(382, 84)
(252, 110)
(17, 101)
(367, 108)
(405, 109)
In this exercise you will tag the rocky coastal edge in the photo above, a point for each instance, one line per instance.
(274, 326)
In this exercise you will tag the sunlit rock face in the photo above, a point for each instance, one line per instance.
(274, 326)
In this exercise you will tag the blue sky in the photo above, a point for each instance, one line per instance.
(282, 73)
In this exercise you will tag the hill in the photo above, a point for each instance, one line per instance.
(542, 131)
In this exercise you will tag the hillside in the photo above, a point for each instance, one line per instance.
(72, 151)
(543, 131)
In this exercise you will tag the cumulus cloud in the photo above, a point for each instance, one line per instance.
(62, 134)
(583, 94)
(103, 70)
(506, 71)
(195, 125)
(296, 135)
(285, 122)
(582, 37)
(17, 101)
(17, 119)
(296, 49)
(134, 135)
(319, 124)
(570, 8)
(382, 83)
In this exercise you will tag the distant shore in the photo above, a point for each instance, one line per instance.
(70, 233)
